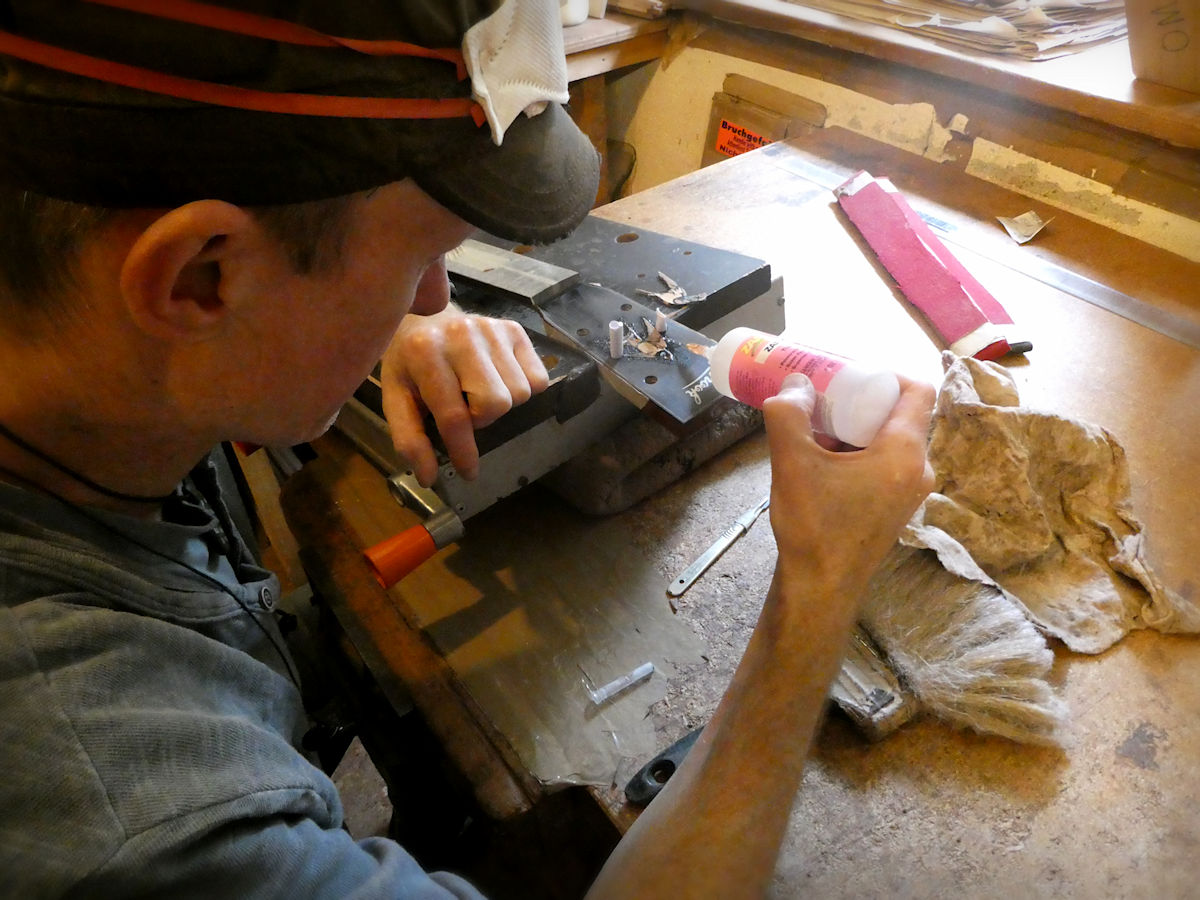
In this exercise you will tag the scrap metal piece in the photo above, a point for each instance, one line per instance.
(512, 274)
(675, 294)
(653, 344)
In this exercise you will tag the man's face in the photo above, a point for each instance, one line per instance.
(327, 331)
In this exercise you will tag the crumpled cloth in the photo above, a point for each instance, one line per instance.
(1039, 506)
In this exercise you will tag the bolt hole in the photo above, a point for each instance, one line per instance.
(627, 238)
(651, 379)
(583, 332)
(662, 770)
(626, 307)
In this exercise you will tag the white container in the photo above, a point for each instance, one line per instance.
(853, 400)
(574, 12)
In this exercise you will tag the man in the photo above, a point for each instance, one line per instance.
(216, 220)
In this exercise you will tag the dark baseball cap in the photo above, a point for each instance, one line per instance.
(153, 103)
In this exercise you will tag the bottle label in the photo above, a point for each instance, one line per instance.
(757, 369)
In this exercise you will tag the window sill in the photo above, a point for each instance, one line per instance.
(1098, 83)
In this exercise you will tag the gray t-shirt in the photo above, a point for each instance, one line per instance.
(149, 723)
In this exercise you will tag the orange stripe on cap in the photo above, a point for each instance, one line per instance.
(248, 24)
(236, 97)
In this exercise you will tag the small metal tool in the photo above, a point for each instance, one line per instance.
(689, 575)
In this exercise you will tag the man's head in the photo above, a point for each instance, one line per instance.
(157, 123)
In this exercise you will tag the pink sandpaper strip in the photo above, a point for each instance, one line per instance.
(910, 257)
(979, 295)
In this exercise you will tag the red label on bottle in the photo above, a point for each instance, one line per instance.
(757, 369)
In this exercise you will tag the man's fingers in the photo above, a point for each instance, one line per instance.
(513, 372)
(467, 371)
(788, 414)
(531, 364)
(455, 423)
(458, 435)
(455, 428)
(913, 407)
(407, 427)
(798, 389)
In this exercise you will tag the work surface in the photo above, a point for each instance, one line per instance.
(536, 592)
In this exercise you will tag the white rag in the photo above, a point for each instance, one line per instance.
(517, 62)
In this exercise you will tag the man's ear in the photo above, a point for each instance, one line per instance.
(173, 279)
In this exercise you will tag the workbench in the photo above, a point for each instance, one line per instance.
(486, 638)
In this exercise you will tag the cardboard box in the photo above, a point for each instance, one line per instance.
(749, 114)
(1164, 41)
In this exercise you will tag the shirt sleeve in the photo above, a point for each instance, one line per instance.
(218, 854)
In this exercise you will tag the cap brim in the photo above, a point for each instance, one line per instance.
(536, 187)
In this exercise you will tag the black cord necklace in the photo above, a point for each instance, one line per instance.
(215, 582)
(45, 457)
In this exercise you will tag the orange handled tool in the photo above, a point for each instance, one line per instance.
(392, 559)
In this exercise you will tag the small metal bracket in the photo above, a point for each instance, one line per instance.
(442, 523)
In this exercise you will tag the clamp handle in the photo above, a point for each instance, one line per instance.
(392, 559)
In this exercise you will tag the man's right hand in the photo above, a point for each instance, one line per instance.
(836, 514)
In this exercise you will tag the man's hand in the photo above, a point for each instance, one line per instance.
(836, 514)
(466, 371)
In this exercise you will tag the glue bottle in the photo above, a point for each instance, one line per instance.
(853, 400)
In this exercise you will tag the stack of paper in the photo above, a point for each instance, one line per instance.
(1032, 29)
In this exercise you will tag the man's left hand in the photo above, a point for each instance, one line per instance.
(466, 371)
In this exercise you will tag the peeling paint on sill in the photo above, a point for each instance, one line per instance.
(1086, 198)
(906, 126)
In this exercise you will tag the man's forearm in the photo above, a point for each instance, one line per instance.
(716, 828)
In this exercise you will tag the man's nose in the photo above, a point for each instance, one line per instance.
(433, 290)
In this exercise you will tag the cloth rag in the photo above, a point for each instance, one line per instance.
(1037, 506)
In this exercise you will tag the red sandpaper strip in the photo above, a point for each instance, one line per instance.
(921, 265)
